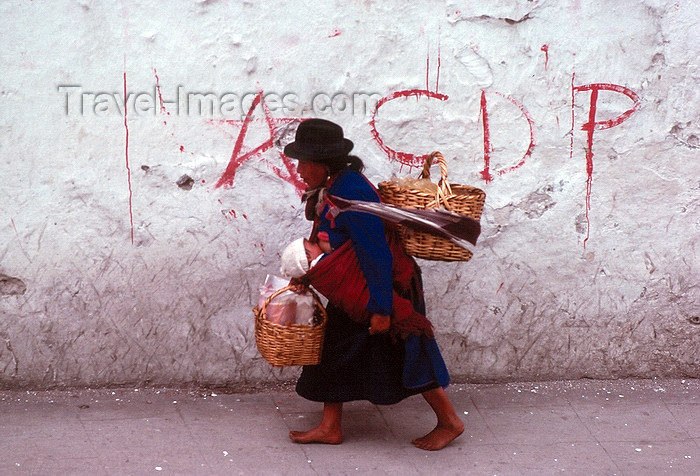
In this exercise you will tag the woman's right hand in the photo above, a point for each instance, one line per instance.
(379, 324)
(297, 287)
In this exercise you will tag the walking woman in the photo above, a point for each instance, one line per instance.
(375, 354)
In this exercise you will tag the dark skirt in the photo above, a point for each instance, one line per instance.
(358, 366)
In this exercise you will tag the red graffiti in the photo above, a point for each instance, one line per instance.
(571, 135)
(412, 160)
(488, 148)
(160, 95)
(128, 165)
(531, 126)
(238, 157)
(404, 158)
(288, 173)
(592, 125)
(487, 138)
(427, 69)
(437, 74)
(545, 48)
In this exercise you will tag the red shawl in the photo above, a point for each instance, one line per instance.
(339, 278)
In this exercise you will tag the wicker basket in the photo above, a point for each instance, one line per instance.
(296, 344)
(461, 199)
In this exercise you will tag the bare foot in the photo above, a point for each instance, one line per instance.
(317, 435)
(440, 437)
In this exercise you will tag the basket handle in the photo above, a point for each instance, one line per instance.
(444, 190)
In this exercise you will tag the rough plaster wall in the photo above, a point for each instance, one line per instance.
(121, 261)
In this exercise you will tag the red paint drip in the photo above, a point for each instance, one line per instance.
(499, 288)
(336, 32)
(590, 127)
(571, 133)
(437, 79)
(545, 48)
(160, 95)
(427, 69)
(485, 174)
(182, 148)
(128, 166)
(404, 158)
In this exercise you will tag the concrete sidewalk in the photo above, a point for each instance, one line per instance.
(624, 427)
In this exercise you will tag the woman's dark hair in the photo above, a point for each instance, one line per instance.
(348, 162)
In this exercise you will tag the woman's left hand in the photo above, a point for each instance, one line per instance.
(379, 323)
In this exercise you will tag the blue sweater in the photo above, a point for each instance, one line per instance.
(367, 235)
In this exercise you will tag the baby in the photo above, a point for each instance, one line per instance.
(300, 256)
(292, 307)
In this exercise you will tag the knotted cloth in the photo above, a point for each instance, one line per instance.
(339, 278)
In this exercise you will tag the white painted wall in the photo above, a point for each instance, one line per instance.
(112, 273)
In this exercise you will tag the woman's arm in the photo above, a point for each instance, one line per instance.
(374, 257)
(366, 232)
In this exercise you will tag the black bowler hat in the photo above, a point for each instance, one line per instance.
(318, 140)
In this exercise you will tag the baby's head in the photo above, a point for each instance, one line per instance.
(297, 256)
(313, 250)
